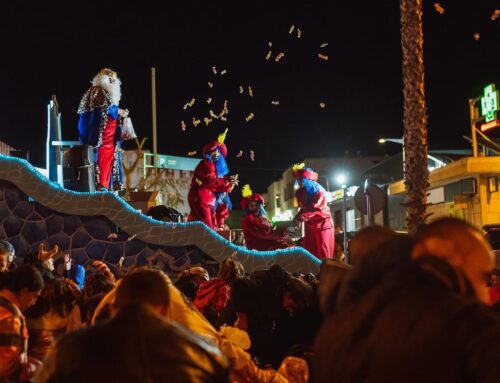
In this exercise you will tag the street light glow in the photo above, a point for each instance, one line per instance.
(381, 141)
(341, 179)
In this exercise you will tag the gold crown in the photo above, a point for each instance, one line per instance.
(108, 72)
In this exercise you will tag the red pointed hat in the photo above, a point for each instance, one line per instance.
(257, 198)
(219, 143)
(248, 196)
(300, 171)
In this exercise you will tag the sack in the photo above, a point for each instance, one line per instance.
(128, 132)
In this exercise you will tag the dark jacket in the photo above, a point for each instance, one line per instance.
(421, 323)
(135, 346)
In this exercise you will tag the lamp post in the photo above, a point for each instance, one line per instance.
(342, 181)
(400, 141)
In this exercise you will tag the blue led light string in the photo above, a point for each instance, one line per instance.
(169, 225)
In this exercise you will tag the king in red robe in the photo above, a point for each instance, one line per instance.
(100, 125)
(319, 237)
(209, 179)
(257, 229)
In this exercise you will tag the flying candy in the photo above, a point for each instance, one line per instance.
(210, 84)
(439, 9)
(269, 54)
(249, 117)
(322, 105)
(191, 154)
(495, 15)
(275, 102)
(241, 89)
(250, 91)
(477, 36)
(207, 121)
(291, 29)
(223, 72)
(270, 43)
(196, 122)
(299, 33)
(183, 125)
(323, 45)
(214, 69)
(190, 104)
(240, 154)
(323, 57)
(209, 100)
(279, 56)
(212, 114)
(222, 118)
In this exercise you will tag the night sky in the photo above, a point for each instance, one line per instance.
(57, 47)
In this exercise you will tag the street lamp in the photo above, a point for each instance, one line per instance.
(400, 141)
(342, 181)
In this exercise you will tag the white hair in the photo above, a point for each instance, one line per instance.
(113, 88)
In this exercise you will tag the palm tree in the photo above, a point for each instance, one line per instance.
(415, 119)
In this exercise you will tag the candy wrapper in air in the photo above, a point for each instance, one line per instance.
(128, 132)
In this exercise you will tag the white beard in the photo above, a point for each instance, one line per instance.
(114, 89)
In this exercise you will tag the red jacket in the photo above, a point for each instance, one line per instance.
(259, 234)
(206, 183)
(214, 293)
(314, 210)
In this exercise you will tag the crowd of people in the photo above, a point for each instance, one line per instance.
(423, 308)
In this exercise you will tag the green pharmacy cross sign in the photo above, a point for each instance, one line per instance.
(489, 103)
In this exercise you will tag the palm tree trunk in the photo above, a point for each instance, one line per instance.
(415, 119)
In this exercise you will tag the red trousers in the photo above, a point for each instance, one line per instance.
(106, 153)
(319, 239)
(200, 211)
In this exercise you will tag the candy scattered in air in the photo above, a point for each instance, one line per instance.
(240, 154)
(279, 56)
(270, 43)
(290, 31)
(323, 57)
(269, 54)
(495, 15)
(299, 33)
(196, 122)
(276, 102)
(323, 45)
(477, 36)
(183, 125)
(249, 117)
(214, 69)
(439, 8)
(207, 121)
(322, 105)
(250, 91)
(191, 154)
(241, 89)
(212, 114)
(209, 100)
(223, 72)
(210, 84)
